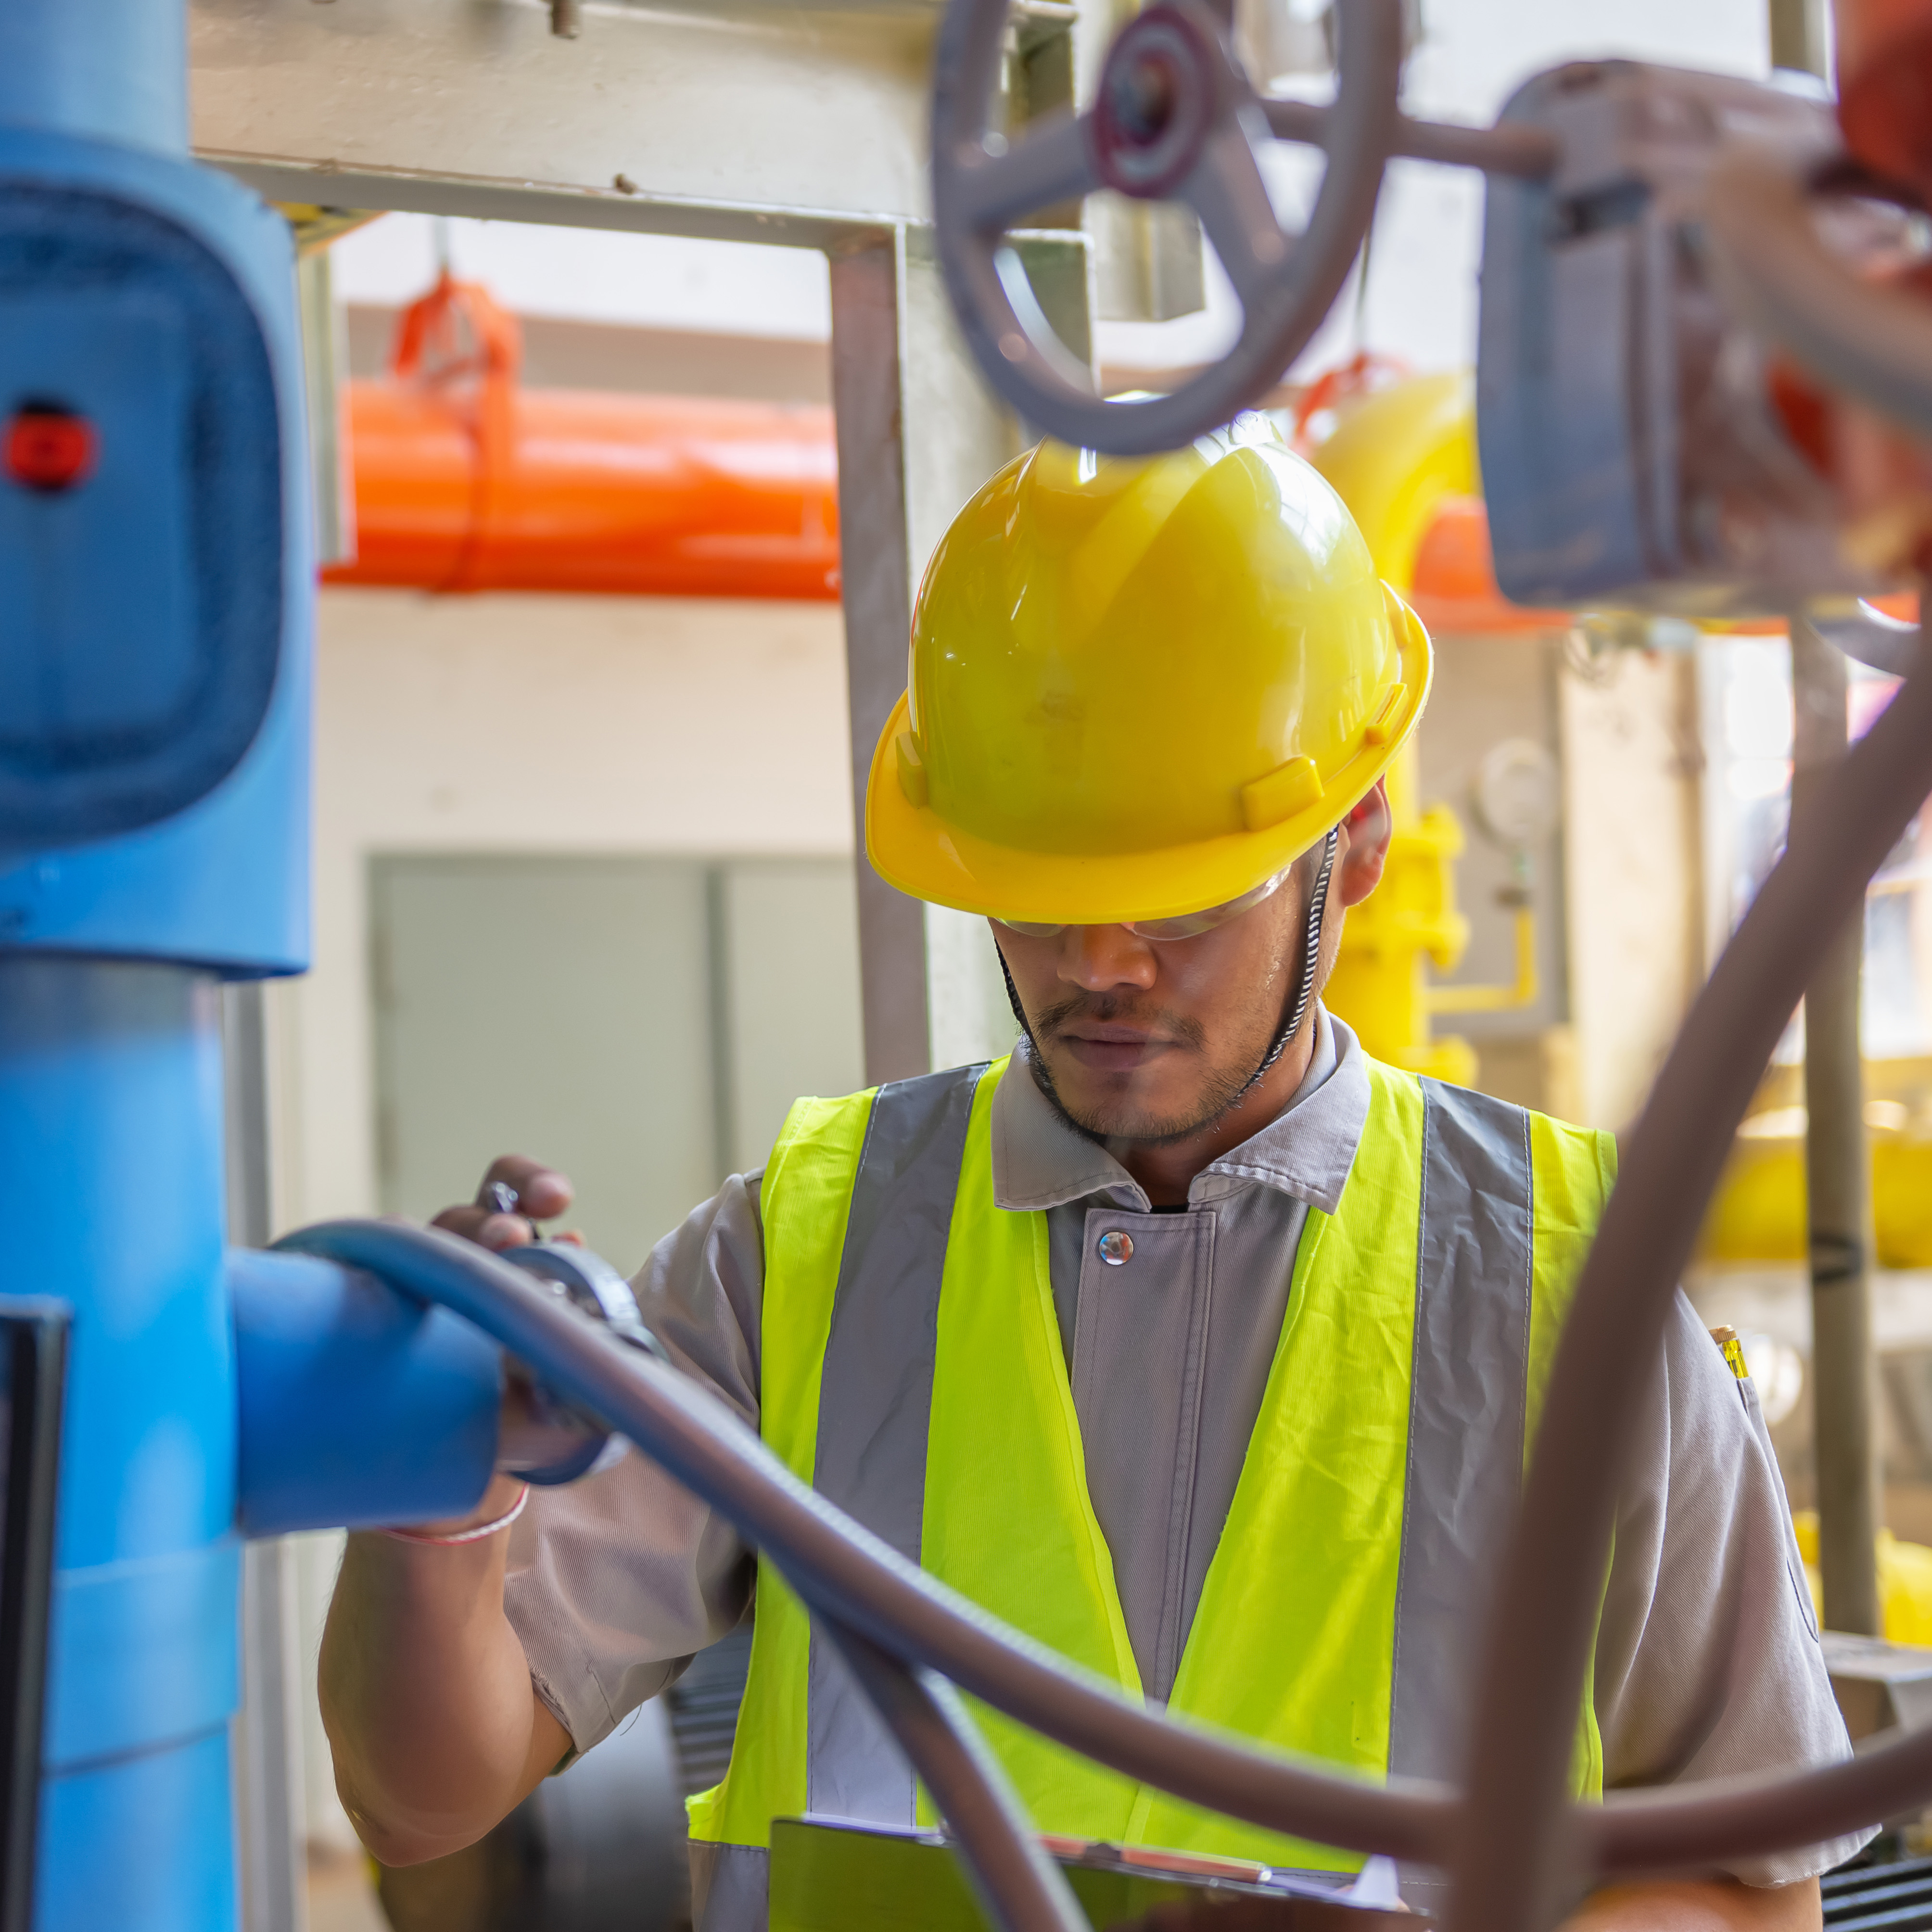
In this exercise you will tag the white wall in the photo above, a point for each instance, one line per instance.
(1633, 866)
(535, 724)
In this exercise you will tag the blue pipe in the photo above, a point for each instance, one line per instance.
(110, 1136)
(359, 1404)
(107, 69)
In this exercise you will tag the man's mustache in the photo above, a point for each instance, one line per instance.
(1108, 1009)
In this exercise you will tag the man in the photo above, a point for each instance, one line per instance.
(1189, 1341)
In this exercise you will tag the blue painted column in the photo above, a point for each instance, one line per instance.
(109, 70)
(110, 1137)
(154, 789)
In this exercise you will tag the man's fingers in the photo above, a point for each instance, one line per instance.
(487, 1230)
(505, 1231)
(516, 1194)
(541, 1191)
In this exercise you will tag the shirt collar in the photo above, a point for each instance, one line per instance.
(1305, 1151)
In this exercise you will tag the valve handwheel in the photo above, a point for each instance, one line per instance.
(1174, 117)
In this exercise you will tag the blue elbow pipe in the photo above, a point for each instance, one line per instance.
(357, 1405)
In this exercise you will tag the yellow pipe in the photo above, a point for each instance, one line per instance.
(1495, 999)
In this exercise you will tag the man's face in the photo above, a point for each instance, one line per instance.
(1153, 1040)
(1148, 1039)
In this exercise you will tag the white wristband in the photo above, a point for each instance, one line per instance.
(476, 1535)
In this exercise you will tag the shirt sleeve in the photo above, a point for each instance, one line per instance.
(1708, 1664)
(615, 1582)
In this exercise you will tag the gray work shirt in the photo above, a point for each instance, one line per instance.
(1708, 1660)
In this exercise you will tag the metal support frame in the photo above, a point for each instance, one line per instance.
(918, 432)
(326, 374)
(777, 127)
(1801, 36)
(808, 133)
(867, 399)
(268, 1733)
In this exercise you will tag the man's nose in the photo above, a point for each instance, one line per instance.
(1097, 958)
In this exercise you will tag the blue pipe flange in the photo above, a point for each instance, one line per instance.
(558, 1441)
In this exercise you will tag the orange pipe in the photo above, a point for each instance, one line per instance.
(465, 482)
(1455, 587)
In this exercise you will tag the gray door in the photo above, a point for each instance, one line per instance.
(642, 1023)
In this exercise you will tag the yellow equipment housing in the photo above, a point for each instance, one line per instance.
(1394, 455)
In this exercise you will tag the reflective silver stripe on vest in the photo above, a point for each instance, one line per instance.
(730, 1887)
(1469, 1392)
(874, 1398)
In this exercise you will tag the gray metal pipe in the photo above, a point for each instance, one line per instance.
(849, 1577)
(1509, 148)
(1018, 1883)
(845, 1572)
(1837, 1179)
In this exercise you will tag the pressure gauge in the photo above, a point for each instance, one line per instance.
(1515, 794)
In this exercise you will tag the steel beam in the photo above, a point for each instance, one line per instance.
(268, 1734)
(918, 433)
(867, 401)
(767, 126)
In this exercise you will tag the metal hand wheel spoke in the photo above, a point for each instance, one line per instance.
(1174, 117)
(1055, 164)
(1227, 192)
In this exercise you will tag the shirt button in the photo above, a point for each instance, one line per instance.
(1117, 1247)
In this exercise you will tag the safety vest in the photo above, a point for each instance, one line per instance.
(912, 1371)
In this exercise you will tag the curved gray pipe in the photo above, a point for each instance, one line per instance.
(1512, 1856)
(1017, 1879)
(849, 1575)
(851, 1578)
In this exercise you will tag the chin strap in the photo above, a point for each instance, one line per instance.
(1311, 962)
(1013, 999)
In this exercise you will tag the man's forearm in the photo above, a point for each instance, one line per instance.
(1701, 1905)
(426, 1696)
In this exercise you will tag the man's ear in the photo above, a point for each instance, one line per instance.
(1365, 844)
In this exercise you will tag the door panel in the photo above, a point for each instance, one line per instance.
(558, 1007)
(642, 1023)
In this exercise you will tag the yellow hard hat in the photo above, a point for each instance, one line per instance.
(1139, 689)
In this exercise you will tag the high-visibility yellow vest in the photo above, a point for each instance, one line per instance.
(912, 1369)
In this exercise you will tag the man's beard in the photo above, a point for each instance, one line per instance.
(1223, 1087)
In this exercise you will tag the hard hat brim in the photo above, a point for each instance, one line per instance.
(914, 848)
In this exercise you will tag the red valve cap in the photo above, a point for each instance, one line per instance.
(50, 449)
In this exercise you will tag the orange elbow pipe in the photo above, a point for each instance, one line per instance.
(465, 482)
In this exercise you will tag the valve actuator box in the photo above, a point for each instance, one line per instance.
(1637, 449)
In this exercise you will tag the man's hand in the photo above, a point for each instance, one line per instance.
(435, 1728)
(1701, 1905)
(532, 1192)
